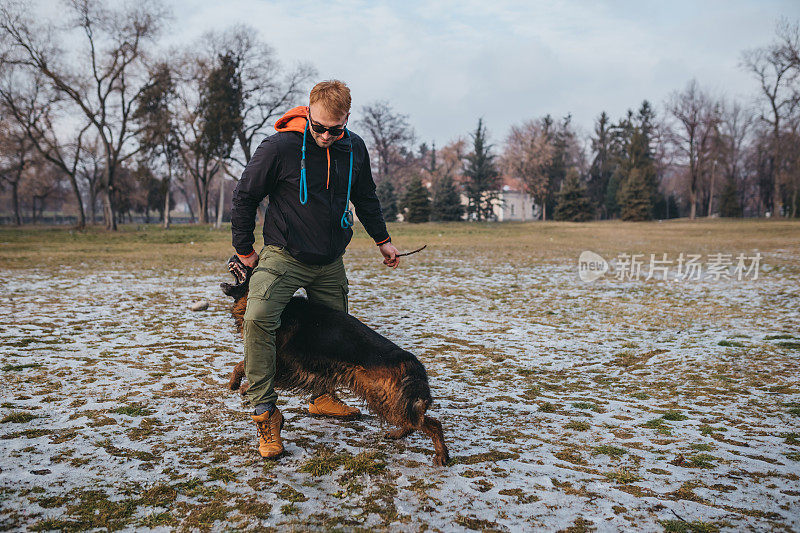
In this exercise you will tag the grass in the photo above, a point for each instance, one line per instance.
(16, 368)
(133, 410)
(645, 355)
(623, 475)
(611, 451)
(18, 417)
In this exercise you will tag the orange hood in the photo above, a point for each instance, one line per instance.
(293, 120)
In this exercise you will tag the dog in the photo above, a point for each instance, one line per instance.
(320, 349)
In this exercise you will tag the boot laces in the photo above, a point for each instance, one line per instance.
(264, 430)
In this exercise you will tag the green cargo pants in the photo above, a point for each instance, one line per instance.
(274, 281)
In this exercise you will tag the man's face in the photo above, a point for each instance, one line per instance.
(320, 116)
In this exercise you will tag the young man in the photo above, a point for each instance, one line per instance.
(309, 170)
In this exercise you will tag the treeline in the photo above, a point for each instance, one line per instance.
(700, 155)
(116, 125)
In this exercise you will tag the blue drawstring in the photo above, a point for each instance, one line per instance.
(303, 183)
(347, 217)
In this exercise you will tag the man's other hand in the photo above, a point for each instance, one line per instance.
(251, 260)
(389, 255)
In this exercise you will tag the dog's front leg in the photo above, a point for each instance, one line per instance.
(433, 428)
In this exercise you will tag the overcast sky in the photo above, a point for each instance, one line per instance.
(446, 63)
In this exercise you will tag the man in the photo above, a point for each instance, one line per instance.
(309, 170)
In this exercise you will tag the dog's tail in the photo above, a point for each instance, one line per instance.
(416, 391)
(237, 375)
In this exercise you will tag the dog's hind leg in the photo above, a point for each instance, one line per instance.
(236, 376)
(433, 428)
(398, 433)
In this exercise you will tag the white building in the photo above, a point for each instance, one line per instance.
(515, 205)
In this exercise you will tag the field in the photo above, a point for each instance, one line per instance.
(617, 404)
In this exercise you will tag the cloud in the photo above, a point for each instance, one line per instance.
(446, 63)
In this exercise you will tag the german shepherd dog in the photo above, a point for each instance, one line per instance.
(320, 349)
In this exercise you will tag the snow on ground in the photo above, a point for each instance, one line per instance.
(608, 405)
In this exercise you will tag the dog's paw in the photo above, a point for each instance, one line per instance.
(441, 459)
(397, 433)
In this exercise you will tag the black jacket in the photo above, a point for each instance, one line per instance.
(311, 233)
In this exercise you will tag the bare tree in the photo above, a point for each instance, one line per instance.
(104, 77)
(697, 117)
(15, 154)
(776, 67)
(156, 114)
(735, 125)
(38, 111)
(209, 101)
(389, 135)
(90, 170)
(527, 157)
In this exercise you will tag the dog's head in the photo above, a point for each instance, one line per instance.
(241, 274)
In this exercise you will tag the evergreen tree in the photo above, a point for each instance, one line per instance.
(634, 197)
(634, 161)
(416, 202)
(573, 202)
(482, 178)
(388, 198)
(729, 205)
(602, 167)
(446, 203)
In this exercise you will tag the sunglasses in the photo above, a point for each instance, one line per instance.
(319, 128)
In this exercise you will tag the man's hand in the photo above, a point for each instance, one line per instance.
(251, 260)
(389, 255)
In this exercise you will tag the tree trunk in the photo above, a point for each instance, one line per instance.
(15, 200)
(711, 189)
(188, 204)
(81, 213)
(93, 202)
(221, 203)
(109, 216)
(166, 208)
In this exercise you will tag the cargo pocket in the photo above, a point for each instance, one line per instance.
(264, 280)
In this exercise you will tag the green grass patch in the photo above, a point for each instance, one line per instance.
(585, 405)
(220, 473)
(611, 451)
(18, 417)
(547, 407)
(701, 460)
(290, 494)
(623, 476)
(15, 368)
(674, 416)
(731, 344)
(696, 526)
(133, 409)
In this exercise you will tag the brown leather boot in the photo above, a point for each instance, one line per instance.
(269, 433)
(327, 405)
